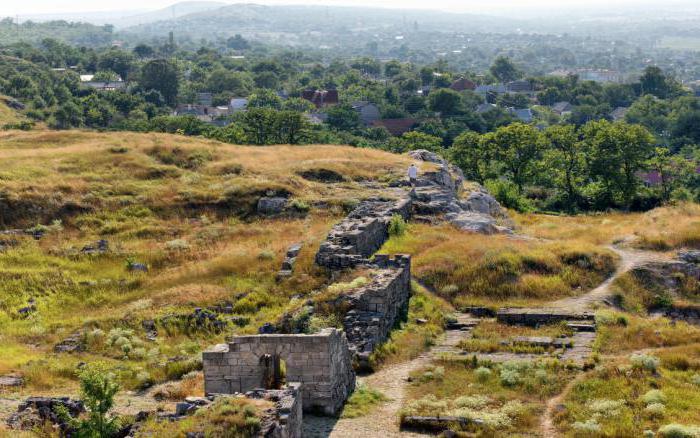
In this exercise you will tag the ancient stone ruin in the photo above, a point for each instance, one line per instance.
(375, 308)
(351, 242)
(321, 363)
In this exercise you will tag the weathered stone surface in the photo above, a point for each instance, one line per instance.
(72, 344)
(375, 308)
(321, 363)
(539, 316)
(438, 193)
(271, 205)
(35, 411)
(11, 381)
(690, 256)
(360, 234)
(286, 419)
(476, 223)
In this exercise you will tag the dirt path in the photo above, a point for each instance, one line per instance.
(547, 420)
(391, 381)
(629, 259)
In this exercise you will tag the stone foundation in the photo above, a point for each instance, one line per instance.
(375, 308)
(360, 234)
(535, 317)
(286, 420)
(320, 362)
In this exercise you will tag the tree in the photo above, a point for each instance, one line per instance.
(298, 104)
(445, 101)
(467, 152)
(161, 75)
(505, 70)
(237, 42)
(517, 148)
(654, 81)
(97, 389)
(258, 125)
(618, 151)
(290, 126)
(68, 115)
(143, 51)
(118, 61)
(673, 170)
(263, 98)
(566, 160)
(235, 82)
(413, 140)
(343, 117)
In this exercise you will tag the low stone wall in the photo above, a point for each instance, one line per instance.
(360, 234)
(375, 308)
(287, 418)
(320, 362)
(535, 317)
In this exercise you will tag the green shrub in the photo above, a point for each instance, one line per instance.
(654, 396)
(679, 431)
(645, 362)
(397, 226)
(508, 195)
(362, 401)
(483, 374)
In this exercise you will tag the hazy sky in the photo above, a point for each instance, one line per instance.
(11, 8)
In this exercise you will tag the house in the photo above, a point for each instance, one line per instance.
(367, 111)
(519, 87)
(484, 108)
(316, 118)
(204, 113)
(205, 99)
(619, 113)
(463, 84)
(238, 104)
(321, 98)
(525, 115)
(483, 90)
(86, 78)
(424, 90)
(562, 108)
(105, 86)
(396, 127)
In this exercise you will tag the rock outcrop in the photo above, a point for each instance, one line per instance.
(439, 193)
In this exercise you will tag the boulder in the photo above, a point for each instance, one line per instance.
(426, 155)
(482, 202)
(271, 205)
(35, 411)
(137, 267)
(690, 256)
(11, 381)
(476, 223)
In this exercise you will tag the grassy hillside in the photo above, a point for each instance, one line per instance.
(8, 115)
(186, 209)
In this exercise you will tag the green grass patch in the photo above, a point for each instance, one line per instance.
(362, 402)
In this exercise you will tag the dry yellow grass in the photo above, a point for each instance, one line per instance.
(663, 228)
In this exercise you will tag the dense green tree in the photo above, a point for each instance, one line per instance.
(517, 147)
(505, 70)
(118, 61)
(445, 101)
(163, 76)
(467, 152)
(565, 161)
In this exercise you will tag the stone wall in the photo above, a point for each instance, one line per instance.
(320, 362)
(360, 234)
(376, 307)
(286, 420)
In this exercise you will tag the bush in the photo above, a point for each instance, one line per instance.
(654, 396)
(482, 374)
(587, 427)
(509, 377)
(645, 362)
(97, 389)
(508, 195)
(397, 226)
(679, 431)
(655, 410)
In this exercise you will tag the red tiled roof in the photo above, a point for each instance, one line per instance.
(463, 84)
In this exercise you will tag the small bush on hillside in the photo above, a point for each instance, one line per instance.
(97, 389)
(507, 194)
(397, 226)
(587, 427)
(645, 362)
(483, 374)
(679, 431)
(655, 410)
(300, 206)
(654, 396)
(362, 401)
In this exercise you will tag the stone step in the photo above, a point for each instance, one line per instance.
(581, 327)
(540, 316)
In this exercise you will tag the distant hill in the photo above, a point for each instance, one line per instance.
(171, 12)
(81, 34)
(257, 19)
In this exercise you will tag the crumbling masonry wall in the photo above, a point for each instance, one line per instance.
(320, 362)
(286, 422)
(376, 307)
(360, 234)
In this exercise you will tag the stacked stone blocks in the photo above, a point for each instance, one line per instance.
(321, 363)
